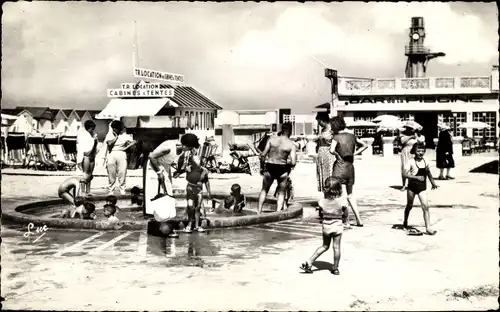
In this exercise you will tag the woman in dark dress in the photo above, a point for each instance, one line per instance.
(444, 154)
(343, 147)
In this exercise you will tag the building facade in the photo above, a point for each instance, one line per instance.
(426, 100)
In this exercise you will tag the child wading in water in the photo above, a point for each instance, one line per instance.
(417, 174)
(196, 176)
(333, 210)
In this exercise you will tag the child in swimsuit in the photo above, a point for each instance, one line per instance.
(332, 211)
(109, 212)
(196, 176)
(417, 174)
(85, 211)
(236, 200)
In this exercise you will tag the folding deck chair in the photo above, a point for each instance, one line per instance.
(56, 153)
(38, 155)
(16, 147)
(69, 147)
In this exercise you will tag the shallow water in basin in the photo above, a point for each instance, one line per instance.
(133, 212)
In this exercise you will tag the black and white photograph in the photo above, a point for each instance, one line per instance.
(249, 156)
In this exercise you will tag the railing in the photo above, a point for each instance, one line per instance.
(416, 49)
(416, 85)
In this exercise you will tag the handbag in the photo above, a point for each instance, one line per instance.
(163, 206)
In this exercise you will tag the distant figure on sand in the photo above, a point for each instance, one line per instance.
(278, 159)
(417, 173)
(444, 154)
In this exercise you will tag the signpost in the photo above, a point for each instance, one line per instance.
(139, 93)
(158, 75)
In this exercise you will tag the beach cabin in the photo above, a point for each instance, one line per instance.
(73, 120)
(40, 118)
(59, 122)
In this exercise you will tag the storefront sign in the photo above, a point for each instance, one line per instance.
(417, 98)
(118, 93)
(153, 74)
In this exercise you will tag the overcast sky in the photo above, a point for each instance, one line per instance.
(240, 55)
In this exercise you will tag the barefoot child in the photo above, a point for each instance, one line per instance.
(417, 174)
(333, 210)
(196, 176)
(69, 190)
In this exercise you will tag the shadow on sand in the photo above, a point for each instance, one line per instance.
(490, 167)
(396, 187)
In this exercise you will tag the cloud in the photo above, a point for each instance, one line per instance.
(242, 55)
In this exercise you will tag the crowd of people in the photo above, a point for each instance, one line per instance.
(335, 172)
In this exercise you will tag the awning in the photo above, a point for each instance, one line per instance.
(133, 108)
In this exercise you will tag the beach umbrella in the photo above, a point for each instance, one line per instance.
(474, 125)
(412, 124)
(361, 123)
(386, 118)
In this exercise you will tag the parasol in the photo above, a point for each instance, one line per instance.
(412, 124)
(361, 123)
(474, 125)
(386, 118)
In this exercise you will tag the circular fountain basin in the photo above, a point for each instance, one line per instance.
(131, 216)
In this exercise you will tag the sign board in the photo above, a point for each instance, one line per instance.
(145, 86)
(138, 93)
(416, 98)
(254, 163)
(154, 74)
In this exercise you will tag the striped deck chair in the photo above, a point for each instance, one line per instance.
(38, 156)
(16, 147)
(69, 147)
(4, 156)
(55, 149)
(210, 160)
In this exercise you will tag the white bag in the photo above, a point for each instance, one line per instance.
(164, 208)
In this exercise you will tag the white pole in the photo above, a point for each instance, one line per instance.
(135, 48)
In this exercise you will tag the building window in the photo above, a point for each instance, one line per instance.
(486, 117)
(366, 116)
(449, 119)
(407, 117)
(192, 121)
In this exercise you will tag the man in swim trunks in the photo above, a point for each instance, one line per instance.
(278, 158)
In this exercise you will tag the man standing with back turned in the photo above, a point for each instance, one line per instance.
(281, 159)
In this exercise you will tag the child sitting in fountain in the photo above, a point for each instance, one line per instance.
(236, 200)
(109, 212)
(84, 211)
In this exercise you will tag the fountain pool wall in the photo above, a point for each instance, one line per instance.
(38, 213)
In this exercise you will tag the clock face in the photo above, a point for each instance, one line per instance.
(415, 36)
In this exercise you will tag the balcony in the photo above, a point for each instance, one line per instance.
(416, 49)
(429, 85)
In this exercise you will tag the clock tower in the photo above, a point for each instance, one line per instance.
(418, 55)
